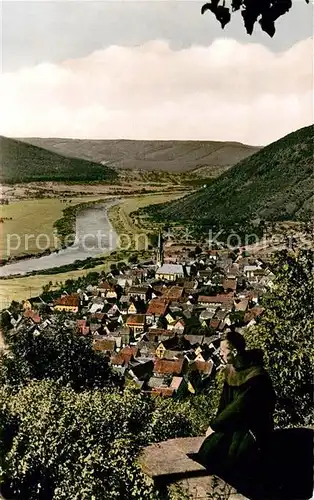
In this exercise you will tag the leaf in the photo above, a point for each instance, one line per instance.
(221, 12)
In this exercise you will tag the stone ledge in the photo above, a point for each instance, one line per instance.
(167, 460)
(290, 467)
(167, 464)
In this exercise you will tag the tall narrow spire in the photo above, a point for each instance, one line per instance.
(160, 252)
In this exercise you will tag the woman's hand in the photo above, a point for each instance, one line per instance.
(209, 431)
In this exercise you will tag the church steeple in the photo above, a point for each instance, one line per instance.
(160, 250)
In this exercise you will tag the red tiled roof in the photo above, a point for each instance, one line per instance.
(163, 391)
(163, 334)
(229, 284)
(80, 323)
(173, 292)
(32, 315)
(159, 331)
(158, 288)
(68, 300)
(180, 322)
(104, 285)
(130, 350)
(157, 306)
(176, 382)
(205, 367)
(125, 355)
(97, 315)
(121, 359)
(215, 299)
(253, 313)
(136, 319)
(165, 366)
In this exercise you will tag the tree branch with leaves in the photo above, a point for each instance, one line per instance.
(265, 12)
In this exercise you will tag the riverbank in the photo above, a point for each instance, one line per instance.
(19, 288)
(95, 237)
(29, 231)
(23, 287)
(65, 226)
(120, 216)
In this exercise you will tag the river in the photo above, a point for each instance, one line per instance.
(94, 236)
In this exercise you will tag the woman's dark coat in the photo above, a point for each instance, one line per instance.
(244, 422)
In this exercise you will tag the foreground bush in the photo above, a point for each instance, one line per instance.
(285, 333)
(58, 444)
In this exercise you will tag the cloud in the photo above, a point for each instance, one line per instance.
(227, 91)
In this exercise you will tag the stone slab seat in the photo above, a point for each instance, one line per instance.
(290, 467)
(167, 460)
(167, 464)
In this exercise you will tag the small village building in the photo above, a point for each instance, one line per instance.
(125, 356)
(139, 292)
(147, 349)
(206, 316)
(194, 340)
(229, 285)
(27, 305)
(141, 369)
(107, 290)
(104, 345)
(179, 326)
(171, 321)
(224, 301)
(136, 323)
(32, 315)
(170, 272)
(173, 293)
(241, 305)
(250, 272)
(251, 316)
(177, 388)
(132, 309)
(81, 325)
(170, 367)
(157, 308)
(160, 351)
(159, 334)
(205, 368)
(67, 303)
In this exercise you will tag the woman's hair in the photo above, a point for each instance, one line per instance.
(235, 339)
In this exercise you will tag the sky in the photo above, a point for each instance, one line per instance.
(151, 70)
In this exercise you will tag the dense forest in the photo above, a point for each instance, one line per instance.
(274, 184)
(21, 162)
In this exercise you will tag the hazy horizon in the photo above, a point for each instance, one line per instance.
(151, 71)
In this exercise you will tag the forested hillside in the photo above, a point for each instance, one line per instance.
(276, 183)
(21, 162)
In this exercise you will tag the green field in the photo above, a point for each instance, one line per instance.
(31, 220)
(119, 215)
(38, 216)
(31, 286)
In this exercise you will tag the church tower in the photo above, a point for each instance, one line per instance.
(160, 251)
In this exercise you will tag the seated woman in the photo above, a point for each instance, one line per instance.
(237, 439)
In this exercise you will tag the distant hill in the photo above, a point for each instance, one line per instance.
(21, 162)
(167, 156)
(274, 184)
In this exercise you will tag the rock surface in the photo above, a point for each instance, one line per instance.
(167, 464)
